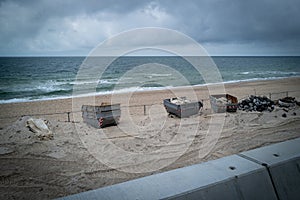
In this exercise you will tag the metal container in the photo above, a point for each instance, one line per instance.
(182, 107)
(221, 103)
(101, 116)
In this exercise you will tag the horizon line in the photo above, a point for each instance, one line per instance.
(12, 56)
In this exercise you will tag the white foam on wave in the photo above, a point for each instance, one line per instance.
(268, 73)
(14, 100)
(44, 86)
(95, 82)
(54, 85)
(150, 76)
(124, 90)
(245, 73)
(251, 79)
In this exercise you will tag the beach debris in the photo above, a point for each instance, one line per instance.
(180, 100)
(283, 115)
(256, 103)
(287, 102)
(39, 127)
(221, 103)
(223, 100)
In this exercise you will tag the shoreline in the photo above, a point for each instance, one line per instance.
(128, 90)
(16, 101)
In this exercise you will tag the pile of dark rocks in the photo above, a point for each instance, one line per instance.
(256, 103)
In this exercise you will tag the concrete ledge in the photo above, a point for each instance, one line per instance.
(231, 177)
(282, 161)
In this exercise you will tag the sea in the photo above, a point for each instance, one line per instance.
(25, 79)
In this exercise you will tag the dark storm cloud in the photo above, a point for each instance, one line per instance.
(245, 21)
(223, 27)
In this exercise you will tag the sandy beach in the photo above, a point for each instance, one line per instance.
(81, 158)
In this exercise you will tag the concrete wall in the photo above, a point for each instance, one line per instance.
(271, 172)
(282, 161)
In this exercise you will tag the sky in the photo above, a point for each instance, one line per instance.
(222, 27)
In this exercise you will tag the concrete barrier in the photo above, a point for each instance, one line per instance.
(231, 177)
(282, 161)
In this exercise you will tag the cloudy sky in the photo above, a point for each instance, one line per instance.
(223, 27)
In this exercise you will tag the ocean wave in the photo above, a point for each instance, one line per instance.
(14, 100)
(256, 79)
(47, 86)
(269, 73)
(52, 86)
(63, 94)
(132, 89)
(41, 98)
(58, 92)
(95, 82)
(244, 73)
(156, 75)
(64, 70)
